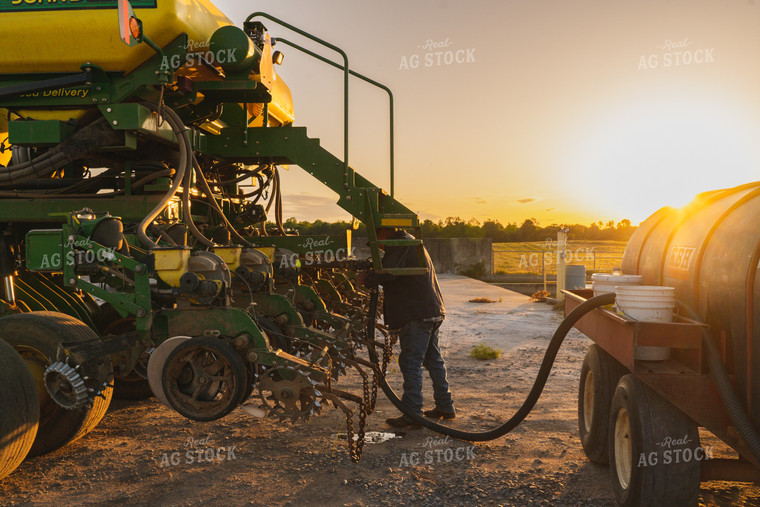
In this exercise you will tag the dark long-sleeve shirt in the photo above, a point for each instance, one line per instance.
(408, 297)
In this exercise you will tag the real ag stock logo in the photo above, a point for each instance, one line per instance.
(676, 53)
(200, 450)
(437, 54)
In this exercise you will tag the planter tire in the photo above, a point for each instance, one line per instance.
(36, 336)
(21, 409)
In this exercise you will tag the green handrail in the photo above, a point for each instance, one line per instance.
(346, 73)
(363, 78)
(345, 76)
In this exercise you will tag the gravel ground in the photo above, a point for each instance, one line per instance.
(143, 453)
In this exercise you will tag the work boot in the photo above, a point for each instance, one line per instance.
(439, 414)
(402, 422)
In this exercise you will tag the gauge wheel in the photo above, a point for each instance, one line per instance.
(35, 336)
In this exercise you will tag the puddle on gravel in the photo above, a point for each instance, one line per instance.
(370, 437)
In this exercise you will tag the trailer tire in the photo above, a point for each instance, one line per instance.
(21, 409)
(648, 443)
(36, 336)
(600, 374)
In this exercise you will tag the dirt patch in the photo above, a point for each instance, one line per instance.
(144, 453)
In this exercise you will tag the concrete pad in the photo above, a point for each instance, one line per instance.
(509, 322)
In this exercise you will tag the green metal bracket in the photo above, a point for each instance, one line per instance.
(137, 303)
(38, 132)
(137, 118)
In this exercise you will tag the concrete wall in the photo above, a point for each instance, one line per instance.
(453, 255)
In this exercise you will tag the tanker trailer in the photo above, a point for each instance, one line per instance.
(641, 414)
(139, 151)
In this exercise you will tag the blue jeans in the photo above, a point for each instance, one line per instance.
(419, 347)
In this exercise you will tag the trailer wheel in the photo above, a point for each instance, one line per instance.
(600, 374)
(653, 449)
(36, 336)
(21, 409)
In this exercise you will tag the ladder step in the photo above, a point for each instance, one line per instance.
(405, 271)
(399, 242)
(397, 220)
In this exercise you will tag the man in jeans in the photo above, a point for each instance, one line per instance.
(413, 305)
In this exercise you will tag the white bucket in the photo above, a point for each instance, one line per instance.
(647, 303)
(604, 283)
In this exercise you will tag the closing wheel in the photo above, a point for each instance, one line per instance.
(36, 336)
(600, 374)
(21, 409)
(204, 379)
(654, 449)
(156, 366)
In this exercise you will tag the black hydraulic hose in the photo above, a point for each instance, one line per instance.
(734, 406)
(56, 195)
(246, 174)
(262, 186)
(215, 205)
(278, 205)
(188, 211)
(535, 392)
(184, 167)
(273, 198)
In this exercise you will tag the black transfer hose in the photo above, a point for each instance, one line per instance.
(726, 391)
(535, 392)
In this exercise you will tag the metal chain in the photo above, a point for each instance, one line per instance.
(355, 448)
(390, 342)
(362, 419)
(367, 405)
(352, 451)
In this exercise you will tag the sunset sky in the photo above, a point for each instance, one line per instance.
(563, 110)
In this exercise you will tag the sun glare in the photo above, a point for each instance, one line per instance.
(654, 154)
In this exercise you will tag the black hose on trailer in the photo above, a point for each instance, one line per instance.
(726, 390)
(535, 392)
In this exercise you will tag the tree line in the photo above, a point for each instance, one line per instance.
(455, 227)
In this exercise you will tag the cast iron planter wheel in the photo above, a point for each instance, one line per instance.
(204, 379)
(21, 409)
(36, 336)
(600, 374)
(652, 448)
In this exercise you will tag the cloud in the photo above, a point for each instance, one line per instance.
(480, 200)
(549, 209)
(526, 201)
(310, 207)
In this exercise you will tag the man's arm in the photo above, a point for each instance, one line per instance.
(395, 257)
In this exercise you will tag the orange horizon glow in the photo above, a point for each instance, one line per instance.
(566, 112)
